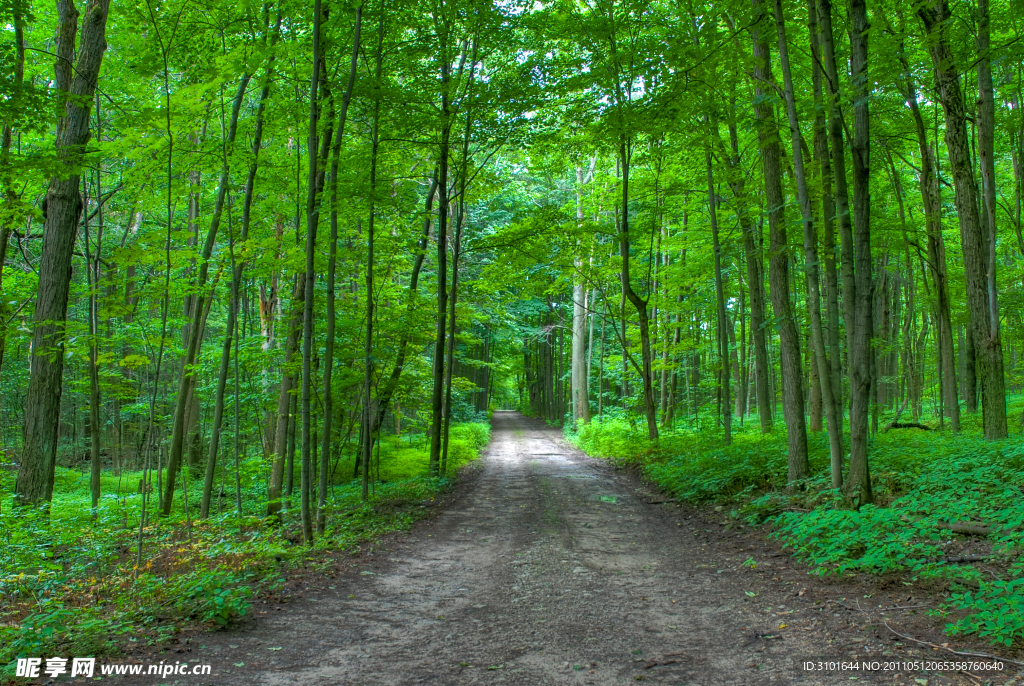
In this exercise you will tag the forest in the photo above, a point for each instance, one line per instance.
(269, 268)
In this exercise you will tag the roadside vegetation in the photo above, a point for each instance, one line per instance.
(948, 511)
(70, 583)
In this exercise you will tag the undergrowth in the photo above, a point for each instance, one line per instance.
(69, 582)
(922, 480)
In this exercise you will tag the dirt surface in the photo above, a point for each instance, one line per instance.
(550, 567)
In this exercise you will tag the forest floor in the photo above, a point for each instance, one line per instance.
(545, 566)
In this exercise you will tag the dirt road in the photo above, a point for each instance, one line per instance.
(547, 567)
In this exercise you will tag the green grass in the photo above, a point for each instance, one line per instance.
(69, 582)
(920, 478)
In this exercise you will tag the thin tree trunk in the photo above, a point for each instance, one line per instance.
(936, 256)
(368, 344)
(437, 394)
(387, 390)
(580, 392)
(723, 317)
(93, 280)
(325, 451)
(828, 211)
(456, 254)
(186, 383)
(838, 150)
(312, 221)
(284, 398)
(231, 327)
(11, 197)
(755, 279)
(646, 371)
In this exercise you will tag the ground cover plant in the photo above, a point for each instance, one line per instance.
(69, 579)
(949, 507)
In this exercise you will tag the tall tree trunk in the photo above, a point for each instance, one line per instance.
(858, 484)
(723, 316)
(973, 234)
(284, 397)
(580, 392)
(838, 150)
(92, 266)
(993, 408)
(231, 327)
(437, 394)
(823, 371)
(778, 260)
(312, 221)
(346, 98)
(740, 356)
(828, 211)
(76, 84)
(387, 389)
(460, 213)
(936, 255)
(646, 371)
(368, 344)
(755, 277)
(186, 384)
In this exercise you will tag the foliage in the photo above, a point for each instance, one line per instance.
(922, 478)
(69, 582)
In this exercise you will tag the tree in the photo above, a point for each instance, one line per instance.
(984, 329)
(76, 83)
(778, 258)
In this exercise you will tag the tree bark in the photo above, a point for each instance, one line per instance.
(973, 234)
(92, 266)
(929, 182)
(63, 208)
(723, 317)
(858, 484)
(312, 221)
(580, 392)
(460, 213)
(838, 150)
(284, 397)
(823, 371)
(368, 345)
(778, 260)
(437, 394)
(828, 211)
(755, 279)
(646, 371)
